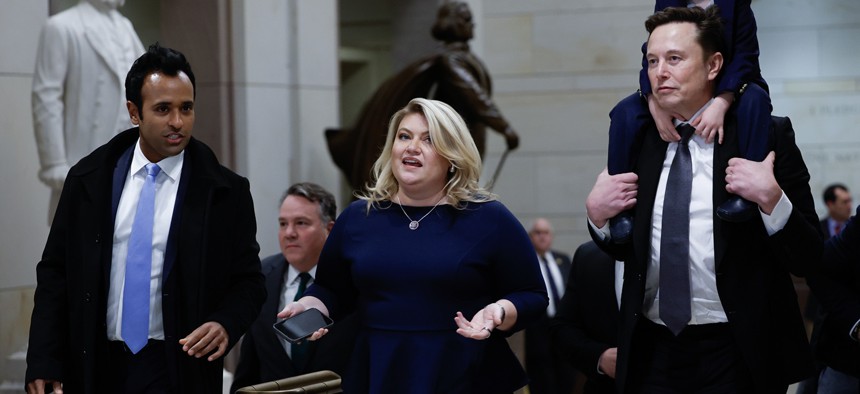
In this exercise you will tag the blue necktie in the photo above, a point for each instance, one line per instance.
(299, 351)
(675, 237)
(138, 267)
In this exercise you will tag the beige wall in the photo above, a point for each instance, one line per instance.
(23, 199)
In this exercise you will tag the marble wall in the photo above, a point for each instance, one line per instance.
(24, 200)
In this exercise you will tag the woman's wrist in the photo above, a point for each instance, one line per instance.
(502, 319)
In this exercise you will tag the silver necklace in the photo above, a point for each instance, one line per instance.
(413, 224)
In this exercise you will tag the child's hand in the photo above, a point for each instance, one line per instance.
(663, 120)
(710, 123)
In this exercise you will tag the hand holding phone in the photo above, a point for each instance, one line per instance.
(302, 325)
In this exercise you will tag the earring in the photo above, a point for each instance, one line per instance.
(451, 169)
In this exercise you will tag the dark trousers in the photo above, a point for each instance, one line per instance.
(144, 372)
(631, 115)
(702, 359)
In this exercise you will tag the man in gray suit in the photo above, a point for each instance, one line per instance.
(78, 93)
(305, 218)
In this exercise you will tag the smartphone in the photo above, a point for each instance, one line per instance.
(302, 325)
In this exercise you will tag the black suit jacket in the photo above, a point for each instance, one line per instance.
(263, 358)
(548, 370)
(825, 229)
(211, 269)
(752, 268)
(836, 285)
(586, 323)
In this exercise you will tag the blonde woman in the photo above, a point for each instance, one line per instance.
(439, 271)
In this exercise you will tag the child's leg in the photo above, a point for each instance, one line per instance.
(753, 128)
(627, 119)
(753, 115)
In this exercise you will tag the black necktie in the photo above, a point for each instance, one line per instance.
(675, 237)
(553, 290)
(299, 351)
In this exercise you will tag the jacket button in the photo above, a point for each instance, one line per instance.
(87, 297)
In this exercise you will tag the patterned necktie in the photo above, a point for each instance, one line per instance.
(675, 238)
(138, 267)
(299, 351)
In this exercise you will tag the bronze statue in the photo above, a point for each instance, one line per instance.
(453, 75)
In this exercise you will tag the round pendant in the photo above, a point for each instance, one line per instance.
(413, 225)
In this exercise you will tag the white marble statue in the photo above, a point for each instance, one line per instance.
(78, 98)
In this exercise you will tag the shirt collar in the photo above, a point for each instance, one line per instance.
(293, 274)
(695, 115)
(170, 166)
(696, 138)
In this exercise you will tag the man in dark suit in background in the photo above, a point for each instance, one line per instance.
(305, 218)
(548, 371)
(707, 304)
(838, 200)
(151, 271)
(585, 329)
(836, 285)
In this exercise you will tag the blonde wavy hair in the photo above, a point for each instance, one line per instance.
(451, 140)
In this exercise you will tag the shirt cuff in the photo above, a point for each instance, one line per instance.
(602, 232)
(779, 217)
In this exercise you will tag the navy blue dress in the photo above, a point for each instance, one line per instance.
(408, 285)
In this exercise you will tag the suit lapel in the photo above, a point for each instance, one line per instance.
(649, 167)
(170, 249)
(722, 153)
(194, 199)
(120, 172)
(274, 282)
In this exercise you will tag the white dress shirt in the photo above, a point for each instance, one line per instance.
(619, 281)
(289, 288)
(554, 274)
(166, 187)
(706, 304)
